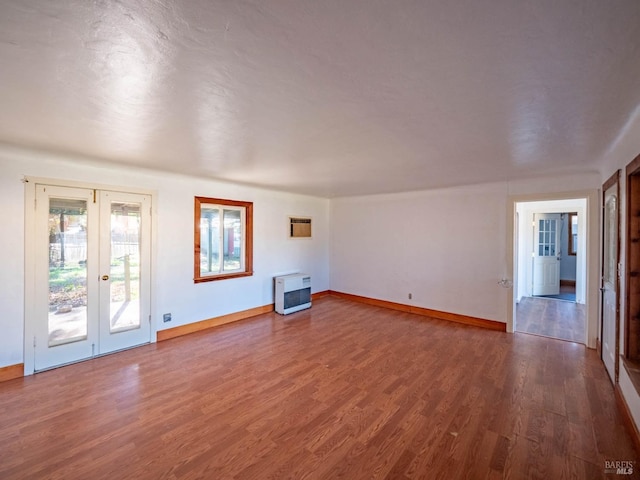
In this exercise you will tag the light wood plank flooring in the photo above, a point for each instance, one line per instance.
(551, 318)
(343, 390)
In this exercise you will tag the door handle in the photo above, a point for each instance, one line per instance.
(105, 277)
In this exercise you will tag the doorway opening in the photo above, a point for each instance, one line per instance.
(550, 256)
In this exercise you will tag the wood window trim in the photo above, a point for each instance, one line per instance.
(247, 239)
(571, 248)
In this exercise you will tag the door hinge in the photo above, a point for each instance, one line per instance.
(34, 341)
(149, 318)
(94, 195)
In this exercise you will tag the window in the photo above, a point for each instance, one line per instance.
(223, 239)
(573, 234)
(547, 238)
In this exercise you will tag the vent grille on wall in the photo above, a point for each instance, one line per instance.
(299, 227)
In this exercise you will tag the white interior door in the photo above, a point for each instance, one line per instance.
(92, 265)
(546, 255)
(610, 310)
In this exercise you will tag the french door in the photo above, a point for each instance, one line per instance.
(92, 273)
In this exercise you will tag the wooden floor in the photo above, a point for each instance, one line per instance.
(343, 390)
(551, 318)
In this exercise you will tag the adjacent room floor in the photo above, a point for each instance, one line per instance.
(551, 318)
(343, 390)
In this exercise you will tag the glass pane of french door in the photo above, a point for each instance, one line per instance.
(125, 271)
(64, 313)
(124, 274)
(67, 228)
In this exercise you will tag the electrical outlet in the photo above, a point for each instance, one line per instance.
(166, 317)
(410, 296)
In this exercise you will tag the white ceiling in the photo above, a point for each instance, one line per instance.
(329, 98)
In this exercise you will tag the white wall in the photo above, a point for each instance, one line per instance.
(447, 247)
(441, 246)
(173, 287)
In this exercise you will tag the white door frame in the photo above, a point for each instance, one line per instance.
(592, 241)
(30, 252)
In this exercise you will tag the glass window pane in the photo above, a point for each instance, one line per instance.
(209, 240)
(541, 251)
(67, 271)
(124, 273)
(553, 225)
(232, 240)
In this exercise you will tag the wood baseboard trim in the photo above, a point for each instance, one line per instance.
(372, 301)
(627, 418)
(458, 318)
(425, 312)
(222, 320)
(11, 371)
(567, 283)
(163, 335)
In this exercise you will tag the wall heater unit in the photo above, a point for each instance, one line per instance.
(293, 293)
